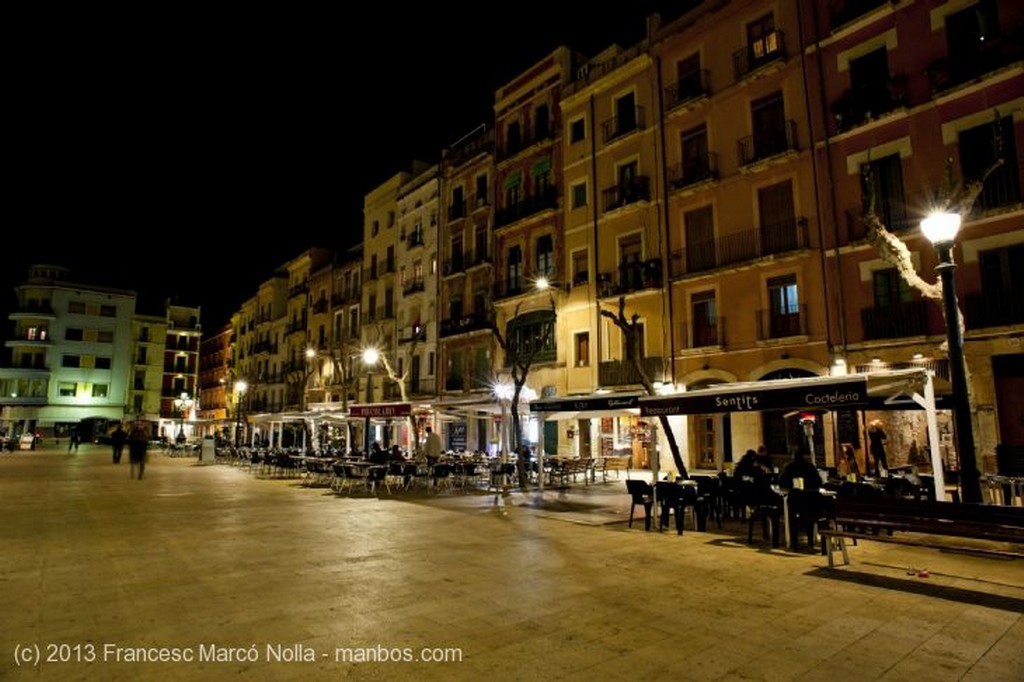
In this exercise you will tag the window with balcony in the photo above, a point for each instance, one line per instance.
(696, 164)
(76, 307)
(513, 138)
(513, 193)
(691, 81)
(532, 335)
(704, 320)
(73, 334)
(67, 389)
(456, 261)
(481, 190)
(1001, 299)
(390, 259)
(762, 38)
(373, 266)
(514, 269)
(458, 207)
(108, 311)
(71, 361)
(979, 149)
(103, 362)
(454, 382)
(768, 115)
(700, 239)
(99, 390)
(389, 303)
(882, 180)
(778, 220)
(783, 307)
(895, 313)
(545, 256)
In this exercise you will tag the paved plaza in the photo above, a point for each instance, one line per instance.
(225, 575)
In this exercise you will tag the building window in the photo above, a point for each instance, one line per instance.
(541, 122)
(700, 239)
(580, 268)
(73, 334)
(515, 269)
(374, 228)
(579, 195)
(105, 336)
(577, 131)
(99, 390)
(889, 288)
(778, 221)
(784, 307)
(137, 404)
(704, 319)
(481, 190)
(882, 180)
(71, 361)
(139, 382)
(103, 362)
(545, 256)
(76, 307)
(977, 154)
(581, 343)
(513, 138)
(141, 357)
(532, 336)
(67, 389)
(108, 311)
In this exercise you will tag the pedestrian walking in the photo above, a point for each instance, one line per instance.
(117, 441)
(138, 441)
(74, 440)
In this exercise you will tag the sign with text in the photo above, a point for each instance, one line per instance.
(814, 396)
(380, 411)
(457, 436)
(580, 404)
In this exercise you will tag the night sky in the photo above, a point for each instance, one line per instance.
(188, 155)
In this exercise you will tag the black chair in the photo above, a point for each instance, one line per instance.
(709, 488)
(765, 505)
(643, 495)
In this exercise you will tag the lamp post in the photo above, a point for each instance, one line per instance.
(182, 403)
(240, 389)
(941, 230)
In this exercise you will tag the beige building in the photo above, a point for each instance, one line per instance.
(146, 391)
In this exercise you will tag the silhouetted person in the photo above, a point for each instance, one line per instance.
(138, 441)
(433, 446)
(74, 440)
(117, 441)
(877, 437)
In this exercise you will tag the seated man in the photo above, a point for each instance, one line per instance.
(802, 469)
(804, 501)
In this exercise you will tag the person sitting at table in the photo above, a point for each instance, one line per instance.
(747, 467)
(802, 469)
(396, 453)
(377, 454)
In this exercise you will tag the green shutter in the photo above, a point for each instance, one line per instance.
(513, 179)
(541, 166)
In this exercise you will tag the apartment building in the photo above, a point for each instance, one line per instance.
(70, 356)
(216, 380)
(467, 343)
(179, 384)
(417, 321)
(528, 234)
(146, 391)
(906, 96)
(260, 326)
(301, 335)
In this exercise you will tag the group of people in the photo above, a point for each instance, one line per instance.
(138, 442)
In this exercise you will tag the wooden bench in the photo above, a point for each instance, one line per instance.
(614, 463)
(889, 520)
(564, 472)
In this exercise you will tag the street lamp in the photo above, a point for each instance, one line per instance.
(182, 404)
(941, 230)
(240, 388)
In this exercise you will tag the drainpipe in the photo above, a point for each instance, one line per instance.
(666, 257)
(593, 279)
(841, 317)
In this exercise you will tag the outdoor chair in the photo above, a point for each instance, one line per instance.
(642, 496)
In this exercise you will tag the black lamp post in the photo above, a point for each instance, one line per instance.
(182, 403)
(240, 388)
(941, 230)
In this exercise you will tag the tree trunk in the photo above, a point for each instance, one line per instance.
(517, 436)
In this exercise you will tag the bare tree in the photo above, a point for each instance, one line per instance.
(519, 360)
(401, 380)
(630, 327)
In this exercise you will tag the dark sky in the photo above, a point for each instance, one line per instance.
(190, 154)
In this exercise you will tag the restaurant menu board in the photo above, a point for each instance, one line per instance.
(457, 436)
(847, 427)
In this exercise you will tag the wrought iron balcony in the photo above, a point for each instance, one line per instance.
(993, 309)
(413, 335)
(617, 126)
(455, 383)
(457, 211)
(895, 321)
(321, 306)
(768, 143)
(623, 373)
(780, 237)
(420, 386)
(1001, 188)
(526, 207)
(637, 189)
(769, 48)
(506, 288)
(412, 285)
(513, 146)
(478, 258)
(706, 333)
(994, 53)
(466, 323)
(689, 87)
(414, 239)
(692, 171)
(894, 216)
(455, 264)
(857, 107)
(298, 289)
(635, 276)
(776, 324)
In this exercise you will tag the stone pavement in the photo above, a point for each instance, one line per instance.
(231, 576)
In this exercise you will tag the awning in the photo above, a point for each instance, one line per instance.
(591, 414)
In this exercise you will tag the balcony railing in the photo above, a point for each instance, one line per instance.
(768, 48)
(479, 201)
(414, 239)
(994, 53)
(776, 324)
(526, 207)
(412, 285)
(637, 189)
(635, 276)
(466, 323)
(705, 334)
(894, 216)
(855, 108)
(457, 211)
(44, 309)
(689, 87)
(1001, 188)
(995, 309)
(780, 237)
(455, 264)
(512, 147)
(895, 321)
(692, 171)
(386, 313)
(480, 257)
(455, 383)
(506, 288)
(321, 306)
(768, 143)
(623, 373)
(298, 289)
(420, 385)
(413, 335)
(617, 126)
